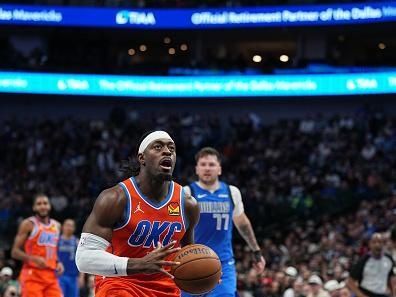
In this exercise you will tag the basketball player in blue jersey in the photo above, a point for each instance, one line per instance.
(67, 246)
(221, 206)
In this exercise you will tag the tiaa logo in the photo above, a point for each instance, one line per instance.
(135, 18)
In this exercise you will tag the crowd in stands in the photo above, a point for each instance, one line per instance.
(314, 188)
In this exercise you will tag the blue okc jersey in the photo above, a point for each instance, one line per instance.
(214, 228)
(66, 253)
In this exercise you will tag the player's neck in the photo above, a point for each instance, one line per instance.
(66, 236)
(152, 188)
(211, 187)
(44, 220)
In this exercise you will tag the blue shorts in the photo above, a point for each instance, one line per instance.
(227, 288)
(69, 285)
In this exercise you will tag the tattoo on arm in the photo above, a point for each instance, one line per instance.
(247, 233)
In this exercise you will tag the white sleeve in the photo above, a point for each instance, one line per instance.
(92, 258)
(187, 190)
(237, 198)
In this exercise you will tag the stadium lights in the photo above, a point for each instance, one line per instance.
(183, 47)
(167, 40)
(143, 48)
(131, 52)
(284, 58)
(381, 46)
(257, 59)
(171, 51)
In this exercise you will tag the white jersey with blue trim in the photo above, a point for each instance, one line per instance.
(217, 209)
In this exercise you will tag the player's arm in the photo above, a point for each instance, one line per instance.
(244, 227)
(192, 217)
(60, 269)
(91, 255)
(81, 275)
(17, 252)
(242, 223)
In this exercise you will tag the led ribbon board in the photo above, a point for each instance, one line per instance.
(199, 86)
(273, 16)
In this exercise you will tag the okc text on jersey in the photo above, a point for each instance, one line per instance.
(48, 239)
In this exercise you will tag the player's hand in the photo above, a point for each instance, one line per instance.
(260, 266)
(60, 268)
(259, 262)
(154, 261)
(39, 261)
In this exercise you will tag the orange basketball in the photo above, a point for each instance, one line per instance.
(199, 270)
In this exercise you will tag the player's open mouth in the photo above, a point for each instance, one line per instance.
(166, 163)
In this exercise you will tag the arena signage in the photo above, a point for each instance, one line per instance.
(273, 16)
(199, 86)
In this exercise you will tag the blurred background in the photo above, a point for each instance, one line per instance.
(316, 165)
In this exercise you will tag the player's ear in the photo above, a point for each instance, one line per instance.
(141, 159)
(196, 169)
(219, 170)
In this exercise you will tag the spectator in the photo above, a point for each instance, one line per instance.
(6, 280)
(333, 287)
(316, 287)
(368, 151)
(11, 291)
(291, 276)
(298, 287)
(344, 291)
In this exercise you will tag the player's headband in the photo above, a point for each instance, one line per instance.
(151, 138)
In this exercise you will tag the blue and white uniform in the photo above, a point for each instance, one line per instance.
(66, 254)
(214, 229)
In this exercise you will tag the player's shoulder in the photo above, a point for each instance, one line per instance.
(113, 194)
(28, 222)
(192, 208)
(233, 187)
(187, 190)
(57, 223)
(189, 199)
(235, 191)
(190, 203)
(113, 197)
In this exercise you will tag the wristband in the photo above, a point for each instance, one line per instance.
(257, 256)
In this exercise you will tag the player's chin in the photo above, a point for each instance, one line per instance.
(165, 176)
(43, 214)
(209, 179)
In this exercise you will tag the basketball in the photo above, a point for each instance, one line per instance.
(199, 270)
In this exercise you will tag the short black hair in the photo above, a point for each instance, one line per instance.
(207, 151)
(37, 195)
(131, 166)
